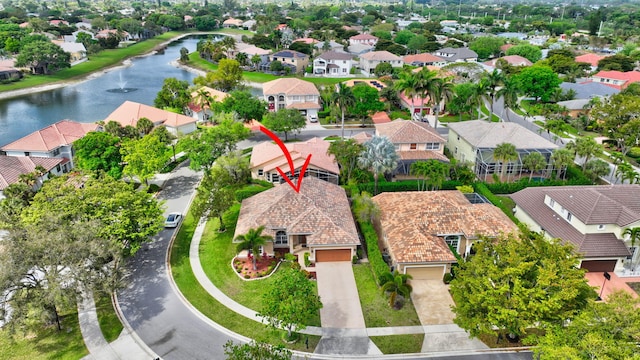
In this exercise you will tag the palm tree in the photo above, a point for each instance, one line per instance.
(204, 100)
(476, 98)
(407, 83)
(426, 79)
(252, 241)
(227, 44)
(505, 153)
(492, 81)
(394, 284)
(343, 98)
(617, 159)
(587, 147)
(441, 90)
(242, 58)
(379, 156)
(634, 237)
(534, 162)
(509, 94)
(561, 159)
(256, 60)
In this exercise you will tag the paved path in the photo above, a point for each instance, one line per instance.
(432, 302)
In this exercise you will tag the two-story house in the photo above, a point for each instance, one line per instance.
(54, 141)
(292, 93)
(292, 59)
(130, 112)
(364, 39)
(414, 141)
(457, 54)
(591, 218)
(333, 63)
(370, 60)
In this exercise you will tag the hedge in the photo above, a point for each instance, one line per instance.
(481, 188)
(378, 265)
(574, 177)
(249, 191)
(405, 185)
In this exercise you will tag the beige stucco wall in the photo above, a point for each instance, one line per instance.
(465, 151)
(419, 146)
(526, 219)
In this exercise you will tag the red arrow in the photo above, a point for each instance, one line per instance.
(284, 149)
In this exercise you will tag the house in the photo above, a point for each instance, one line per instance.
(8, 71)
(292, 93)
(575, 107)
(295, 60)
(306, 40)
(591, 59)
(249, 24)
(250, 50)
(419, 229)
(54, 141)
(266, 157)
(317, 220)
(12, 167)
(513, 60)
(363, 39)
(121, 35)
(423, 59)
(414, 141)
(457, 54)
(474, 141)
(333, 63)
(359, 49)
(57, 23)
(232, 23)
(130, 112)
(588, 90)
(198, 107)
(616, 79)
(77, 51)
(335, 46)
(369, 61)
(591, 218)
(380, 117)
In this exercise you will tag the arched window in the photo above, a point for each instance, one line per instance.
(271, 99)
(281, 98)
(281, 238)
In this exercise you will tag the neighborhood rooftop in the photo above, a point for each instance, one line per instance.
(483, 134)
(63, 132)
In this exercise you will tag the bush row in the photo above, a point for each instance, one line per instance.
(373, 250)
(249, 191)
(482, 189)
(405, 185)
(574, 177)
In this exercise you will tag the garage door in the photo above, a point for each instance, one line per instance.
(599, 265)
(333, 255)
(426, 273)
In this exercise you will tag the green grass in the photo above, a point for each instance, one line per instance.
(399, 344)
(399, 114)
(375, 306)
(456, 118)
(210, 307)
(332, 137)
(235, 32)
(46, 343)
(506, 201)
(102, 60)
(109, 322)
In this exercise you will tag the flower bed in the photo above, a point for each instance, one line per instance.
(265, 266)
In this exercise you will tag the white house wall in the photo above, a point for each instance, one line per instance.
(461, 149)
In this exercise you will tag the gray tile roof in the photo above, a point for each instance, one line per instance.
(454, 54)
(483, 134)
(320, 210)
(617, 204)
(589, 89)
(335, 55)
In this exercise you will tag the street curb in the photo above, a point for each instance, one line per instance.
(129, 329)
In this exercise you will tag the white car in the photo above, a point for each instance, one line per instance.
(313, 119)
(173, 220)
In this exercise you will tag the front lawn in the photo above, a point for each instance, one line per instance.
(210, 307)
(399, 344)
(107, 318)
(375, 306)
(45, 343)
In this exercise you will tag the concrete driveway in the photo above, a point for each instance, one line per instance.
(432, 302)
(339, 295)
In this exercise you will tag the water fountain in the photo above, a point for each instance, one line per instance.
(122, 86)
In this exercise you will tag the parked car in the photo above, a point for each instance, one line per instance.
(313, 119)
(173, 220)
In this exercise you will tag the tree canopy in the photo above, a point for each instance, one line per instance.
(247, 106)
(99, 151)
(285, 121)
(173, 95)
(43, 57)
(538, 81)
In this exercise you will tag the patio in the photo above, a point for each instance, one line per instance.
(597, 280)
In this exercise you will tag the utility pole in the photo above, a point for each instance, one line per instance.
(600, 28)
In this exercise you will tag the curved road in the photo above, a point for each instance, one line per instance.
(156, 312)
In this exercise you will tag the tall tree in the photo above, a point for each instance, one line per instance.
(379, 156)
(561, 159)
(346, 153)
(173, 95)
(226, 78)
(407, 83)
(426, 84)
(505, 153)
(534, 162)
(252, 241)
(247, 106)
(367, 101)
(586, 147)
(144, 125)
(290, 301)
(440, 91)
(285, 121)
(538, 81)
(509, 94)
(343, 98)
(99, 151)
(43, 57)
(493, 81)
(144, 157)
(514, 283)
(633, 236)
(596, 168)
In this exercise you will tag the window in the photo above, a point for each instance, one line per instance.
(569, 216)
(260, 172)
(56, 152)
(552, 202)
(275, 178)
(413, 146)
(601, 227)
(281, 238)
(455, 151)
(26, 153)
(432, 146)
(453, 241)
(458, 137)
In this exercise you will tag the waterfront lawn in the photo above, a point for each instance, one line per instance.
(101, 60)
(210, 307)
(46, 342)
(375, 306)
(399, 344)
(107, 318)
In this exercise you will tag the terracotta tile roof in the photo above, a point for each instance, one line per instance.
(380, 56)
(320, 210)
(304, 105)
(615, 204)
(289, 86)
(515, 60)
(422, 155)
(415, 223)
(11, 167)
(308, 41)
(267, 151)
(406, 131)
(130, 112)
(589, 58)
(424, 58)
(216, 95)
(363, 37)
(380, 117)
(629, 77)
(362, 137)
(62, 133)
(483, 134)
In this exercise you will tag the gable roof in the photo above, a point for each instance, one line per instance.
(415, 223)
(590, 89)
(290, 54)
(320, 211)
(251, 49)
(453, 54)
(424, 58)
(363, 37)
(62, 133)
(590, 58)
(483, 134)
(380, 117)
(407, 131)
(335, 55)
(11, 167)
(130, 112)
(316, 147)
(380, 56)
(628, 77)
(289, 86)
(611, 204)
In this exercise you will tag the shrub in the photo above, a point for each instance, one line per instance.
(481, 188)
(354, 259)
(307, 262)
(246, 276)
(634, 152)
(373, 251)
(408, 185)
(447, 278)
